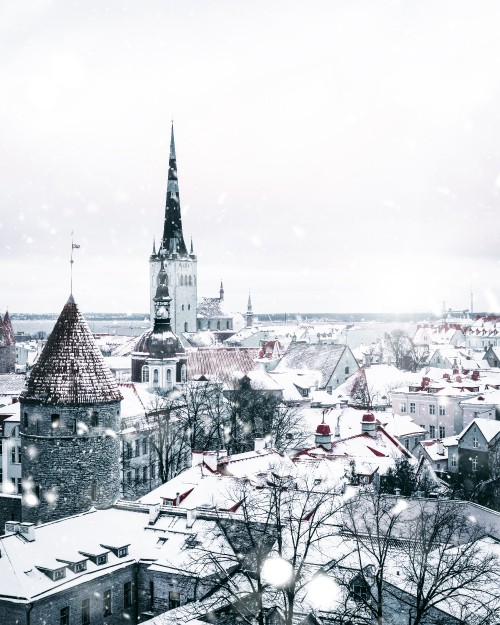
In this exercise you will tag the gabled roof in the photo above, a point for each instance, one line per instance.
(489, 428)
(220, 363)
(313, 357)
(71, 369)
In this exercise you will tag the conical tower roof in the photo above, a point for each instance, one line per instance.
(71, 369)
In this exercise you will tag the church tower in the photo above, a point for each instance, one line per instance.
(180, 265)
(70, 420)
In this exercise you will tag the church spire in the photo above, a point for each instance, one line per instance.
(173, 240)
(221, 292)
(249, 312)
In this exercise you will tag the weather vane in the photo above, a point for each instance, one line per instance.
(74, 246)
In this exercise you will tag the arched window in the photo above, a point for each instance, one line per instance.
(145, 373)
(183, 373)
(189, 306)
(182, 307)
(169, 375)
(190, 281)
(181, 280)
(228, 325)
(186, 326)
(218, 325)
(155, 376)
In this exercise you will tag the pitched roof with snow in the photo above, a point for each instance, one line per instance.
(313, 357)
(71, 369)
(220, 363)
(489, 428)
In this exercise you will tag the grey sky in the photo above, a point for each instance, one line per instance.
(332, 156)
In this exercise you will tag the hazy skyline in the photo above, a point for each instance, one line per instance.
(332, 156)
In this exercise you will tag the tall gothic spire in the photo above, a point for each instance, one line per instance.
(173, 240)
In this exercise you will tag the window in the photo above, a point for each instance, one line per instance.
(106, 601)
(128, 450)
(174, 600)
(183, 373)
(144, 446)
(412, 407)
(151, 594)
(153, 471)
(432, 431)
(15, 455)
(85, 611)
(145, 373)
(359, 591)
(228, 325)
(94, 419)
(129, 477)
(407, 443)
(64, 616)
(474, 464)
(403, 406)
(79, 567)
(144, 474)
(136, 472)
(102, 559)
(442, 431)
(56, 421)
(346, 370)
(442, 411)
(169, 375)
(182, 307)
(59, 574)
(122, 552)
(186, 327)
(127, 594)
(454, 461)
(189, 306)
(25, 420)
(475, 442)
(155, 376)
(1, 478)
(137, 448)
(432, 408)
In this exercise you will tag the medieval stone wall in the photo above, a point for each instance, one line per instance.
(71, 456)
(7, 359)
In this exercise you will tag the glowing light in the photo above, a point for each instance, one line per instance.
(277, 572)
(399, 507)
(323, 592)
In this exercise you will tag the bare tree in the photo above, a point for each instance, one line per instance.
(405, 354)
(361, 396)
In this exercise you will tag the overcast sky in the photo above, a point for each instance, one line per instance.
(332, 156)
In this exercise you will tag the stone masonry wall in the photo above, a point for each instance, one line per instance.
(76, 465)
(7, 359)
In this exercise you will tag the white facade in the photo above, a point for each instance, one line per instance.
(182, 287)
(10, 448)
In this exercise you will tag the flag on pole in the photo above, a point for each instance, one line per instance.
(75, 246)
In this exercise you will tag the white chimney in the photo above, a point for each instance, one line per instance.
(210, 459)
(12, 527)
(28, 531)
(440, 448)
(190, 517)
(259, 444)
(196, 458)
(154, 513)
(222, 453)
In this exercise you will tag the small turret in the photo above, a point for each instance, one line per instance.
(368, 424)
(221, 292)
(323, 434)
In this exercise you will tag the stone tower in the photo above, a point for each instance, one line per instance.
(7, 345)
(158, 357)
(70, 418)
(180, 265)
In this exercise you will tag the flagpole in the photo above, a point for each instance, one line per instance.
(71, 265)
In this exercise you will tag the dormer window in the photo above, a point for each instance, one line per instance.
(101, 559)
(97, 556)
(120, 551)
(54, 573)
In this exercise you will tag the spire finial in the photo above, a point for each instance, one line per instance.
(154, 246)
(172, 142)
(191, 251)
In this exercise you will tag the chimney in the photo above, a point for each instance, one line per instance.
(28, 531)
(222, 453)
(154, 513)
(196, 458)
(397, 492)
(440, 448)
(190, 518)
(259, 444)
(210, 459)
(12, 527)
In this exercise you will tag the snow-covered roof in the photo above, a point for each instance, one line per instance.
(219, 363)
(489, 428)
(97, 530)
(313, 357)
(71, 368)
